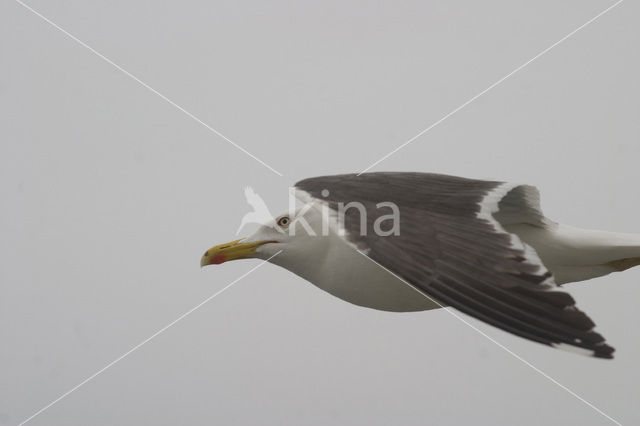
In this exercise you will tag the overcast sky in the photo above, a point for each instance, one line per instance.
(110, 194)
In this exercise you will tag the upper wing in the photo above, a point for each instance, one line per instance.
(451, 247)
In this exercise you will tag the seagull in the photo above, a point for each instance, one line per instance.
(405, 242)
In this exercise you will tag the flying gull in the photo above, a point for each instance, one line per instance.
(482, 247)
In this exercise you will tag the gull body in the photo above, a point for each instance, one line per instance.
(482, 247)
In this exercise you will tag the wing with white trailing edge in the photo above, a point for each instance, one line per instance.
(452, 248)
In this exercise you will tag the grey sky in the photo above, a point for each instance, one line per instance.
(110, 195)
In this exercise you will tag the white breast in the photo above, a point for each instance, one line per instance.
(351, 276)
(330, 263)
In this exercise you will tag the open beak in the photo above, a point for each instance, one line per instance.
(230, 251)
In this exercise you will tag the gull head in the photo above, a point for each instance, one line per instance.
(288, 235)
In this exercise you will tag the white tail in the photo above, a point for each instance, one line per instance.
(574, 254)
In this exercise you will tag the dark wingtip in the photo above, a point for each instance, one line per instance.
(603, 351)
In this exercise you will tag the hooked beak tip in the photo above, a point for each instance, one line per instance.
(212, 260)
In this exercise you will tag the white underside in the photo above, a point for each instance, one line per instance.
(339, 269)
(353, 277)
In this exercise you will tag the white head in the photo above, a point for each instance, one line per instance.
(296, 238)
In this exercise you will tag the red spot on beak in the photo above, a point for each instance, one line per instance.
(218, 259)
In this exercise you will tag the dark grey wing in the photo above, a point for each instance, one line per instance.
(451, 247)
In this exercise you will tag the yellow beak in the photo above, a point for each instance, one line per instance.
(230, 251)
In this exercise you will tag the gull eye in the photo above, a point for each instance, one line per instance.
(284, 221)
